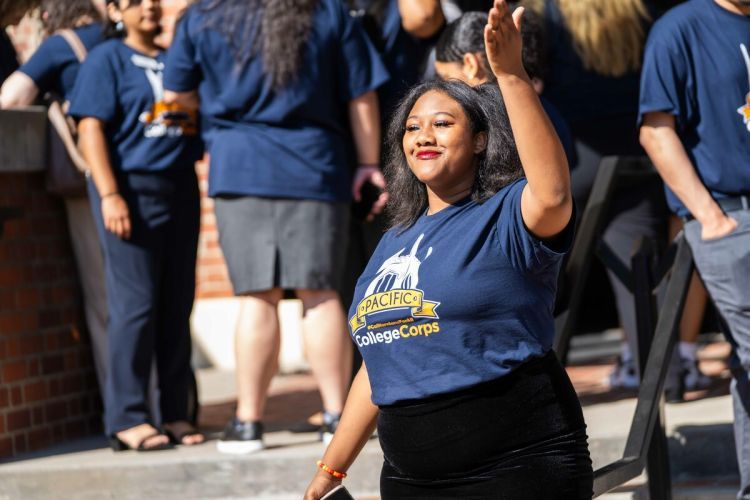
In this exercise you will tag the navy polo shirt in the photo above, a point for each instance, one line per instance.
(461, 297)
(290, 143)
(123, 88)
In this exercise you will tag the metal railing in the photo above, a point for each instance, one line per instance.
(646, 445)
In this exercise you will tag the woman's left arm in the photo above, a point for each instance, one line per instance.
(546, 202)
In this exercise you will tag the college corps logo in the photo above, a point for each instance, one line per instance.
(395, 287)
(163, 120)
(745, 110)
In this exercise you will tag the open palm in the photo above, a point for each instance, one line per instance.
(502, 39)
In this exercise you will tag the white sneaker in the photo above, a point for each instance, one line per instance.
(624, 376)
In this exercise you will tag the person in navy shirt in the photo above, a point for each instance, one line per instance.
(694, 118)
(53, 68)
(453, 314)
(144, 194)
(283, 92)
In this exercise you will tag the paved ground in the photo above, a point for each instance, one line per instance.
(701, 447)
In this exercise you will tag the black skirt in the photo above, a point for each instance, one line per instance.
(518, 437)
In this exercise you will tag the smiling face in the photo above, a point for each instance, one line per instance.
(439, 145)
(140, 16)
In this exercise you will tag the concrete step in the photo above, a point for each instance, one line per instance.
(88, 470)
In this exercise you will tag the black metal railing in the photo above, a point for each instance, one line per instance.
(646, 445)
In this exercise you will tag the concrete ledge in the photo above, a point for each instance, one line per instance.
(23, 139)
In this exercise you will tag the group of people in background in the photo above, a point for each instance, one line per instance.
(291, 106)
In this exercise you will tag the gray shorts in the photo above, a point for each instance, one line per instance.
(282, 243)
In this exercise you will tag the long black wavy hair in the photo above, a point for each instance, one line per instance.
(67, 14)
(274, 29)
(497, 166)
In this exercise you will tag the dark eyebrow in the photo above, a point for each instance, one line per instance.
(434, 114)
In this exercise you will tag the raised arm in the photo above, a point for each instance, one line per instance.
(546, 202)
(662, 144)
(92, 142)
(18, 90)
(364, 118)
(357, 425)
(421, 18)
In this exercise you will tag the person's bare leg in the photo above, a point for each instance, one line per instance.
(256, 344)
(327, 345)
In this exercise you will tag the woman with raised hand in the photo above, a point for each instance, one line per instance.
(144, 197)
(284, 87)
(453, 314)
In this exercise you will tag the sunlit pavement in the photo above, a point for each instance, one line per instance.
(700, 437)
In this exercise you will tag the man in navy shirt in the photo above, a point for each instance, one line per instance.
(695, 125)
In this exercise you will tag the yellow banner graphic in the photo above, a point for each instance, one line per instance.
(393, 299)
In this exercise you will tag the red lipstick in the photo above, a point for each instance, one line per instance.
(427, 155)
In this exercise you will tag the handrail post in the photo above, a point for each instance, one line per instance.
(578, 264)
(657, 462)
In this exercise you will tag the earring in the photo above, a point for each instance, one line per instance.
(119, 26)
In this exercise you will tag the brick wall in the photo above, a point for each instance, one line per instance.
(48, 389)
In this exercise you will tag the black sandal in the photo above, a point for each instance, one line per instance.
(118, 444)
(176, 438)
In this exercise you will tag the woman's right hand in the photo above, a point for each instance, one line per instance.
(116, 216)
(321, 484)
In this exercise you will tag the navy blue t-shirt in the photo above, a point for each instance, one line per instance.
(697, 67)
(123, 88)
(461, 297)
(294, 143)
(54, 66)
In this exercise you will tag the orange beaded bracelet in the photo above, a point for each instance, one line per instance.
(334, 473)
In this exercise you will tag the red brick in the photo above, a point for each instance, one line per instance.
(18, 420)
(16, 398)
(11, 323)
(4, 397)
(31, 344)
(14, 371)
(72, 384)
(37, 416)
(13, 348)
(7, 299)
(33, 368)
(2, 424)
(6, 447)
(58, 432)
(49, 318)
(39, 438)
(19, 444)
(54, 388)
(35, 391)
(56, 411)
(10, 275)
(28, 298)
(75, 429)
(52, 364)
